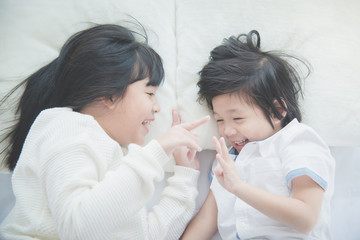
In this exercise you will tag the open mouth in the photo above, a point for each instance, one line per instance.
(240, 144)
(147, 124)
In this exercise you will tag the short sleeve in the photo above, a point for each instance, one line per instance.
(307, 154)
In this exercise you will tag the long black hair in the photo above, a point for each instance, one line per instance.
(97, 62)
(238, 66)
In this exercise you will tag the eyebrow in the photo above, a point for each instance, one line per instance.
(233, 110)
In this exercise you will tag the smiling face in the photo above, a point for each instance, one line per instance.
(134, 112)
(126, 119)
(240, 122)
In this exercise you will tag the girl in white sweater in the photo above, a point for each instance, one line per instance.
(77, 115)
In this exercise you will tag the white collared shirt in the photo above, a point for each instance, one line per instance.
(271, 165)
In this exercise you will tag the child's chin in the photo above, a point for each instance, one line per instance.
(140, 141)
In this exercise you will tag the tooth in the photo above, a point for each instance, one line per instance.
(147, 122)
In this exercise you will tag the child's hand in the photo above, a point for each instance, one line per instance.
(180, 135)
(186, 158)
(226, 172)
(183, 156)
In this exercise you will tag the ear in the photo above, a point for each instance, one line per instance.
(281, 110)
(108, 102)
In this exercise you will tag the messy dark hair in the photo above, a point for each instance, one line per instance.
(238, 66)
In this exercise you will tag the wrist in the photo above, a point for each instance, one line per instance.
(163, 143)
(239, 188)
(188, 174)
(155, 149)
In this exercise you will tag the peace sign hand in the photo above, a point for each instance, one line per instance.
(225, 172)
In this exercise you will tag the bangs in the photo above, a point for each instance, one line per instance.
(148, 64)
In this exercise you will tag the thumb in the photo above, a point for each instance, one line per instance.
(175, 117)
(191, 154)
(218, 171)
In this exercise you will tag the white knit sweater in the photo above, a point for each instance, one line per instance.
(72, 181)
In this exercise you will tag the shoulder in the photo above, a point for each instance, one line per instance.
(299, 146)
(61, 127)
(303, 151)
(62, 116)
(294, 138)
(64, 119)
(296, 133)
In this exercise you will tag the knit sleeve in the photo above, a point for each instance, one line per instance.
(89, 202)
(176, 208)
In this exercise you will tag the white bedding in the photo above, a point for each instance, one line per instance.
(183, 32)
(326, 33)
(345, 203)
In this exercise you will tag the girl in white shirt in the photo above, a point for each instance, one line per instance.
(77, 116)
(278, 179)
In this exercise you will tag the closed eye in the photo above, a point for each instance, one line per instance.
(150, 94)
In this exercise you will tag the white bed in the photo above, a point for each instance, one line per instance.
(326, 33)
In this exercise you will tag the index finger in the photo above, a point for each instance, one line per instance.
(224, 149)
(216, 144)
(192, 125)
(220, 147)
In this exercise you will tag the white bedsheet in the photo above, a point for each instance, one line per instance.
(345, 204)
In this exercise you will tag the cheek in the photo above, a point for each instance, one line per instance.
(133, 114)
(263, 132)
(220, 129)
(142, 106)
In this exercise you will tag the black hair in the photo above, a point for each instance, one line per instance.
(97, 62)
(238, 66)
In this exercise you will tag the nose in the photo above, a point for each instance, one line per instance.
(156, 107)
(229, 130)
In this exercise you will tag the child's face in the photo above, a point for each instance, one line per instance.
(239, 122)
(132, 114)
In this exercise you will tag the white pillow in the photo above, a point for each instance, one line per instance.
(324, 33)
(184, 33)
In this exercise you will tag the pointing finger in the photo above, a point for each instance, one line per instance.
(192, 125)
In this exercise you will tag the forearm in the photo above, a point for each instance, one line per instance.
(204, 224)
(292, 212)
